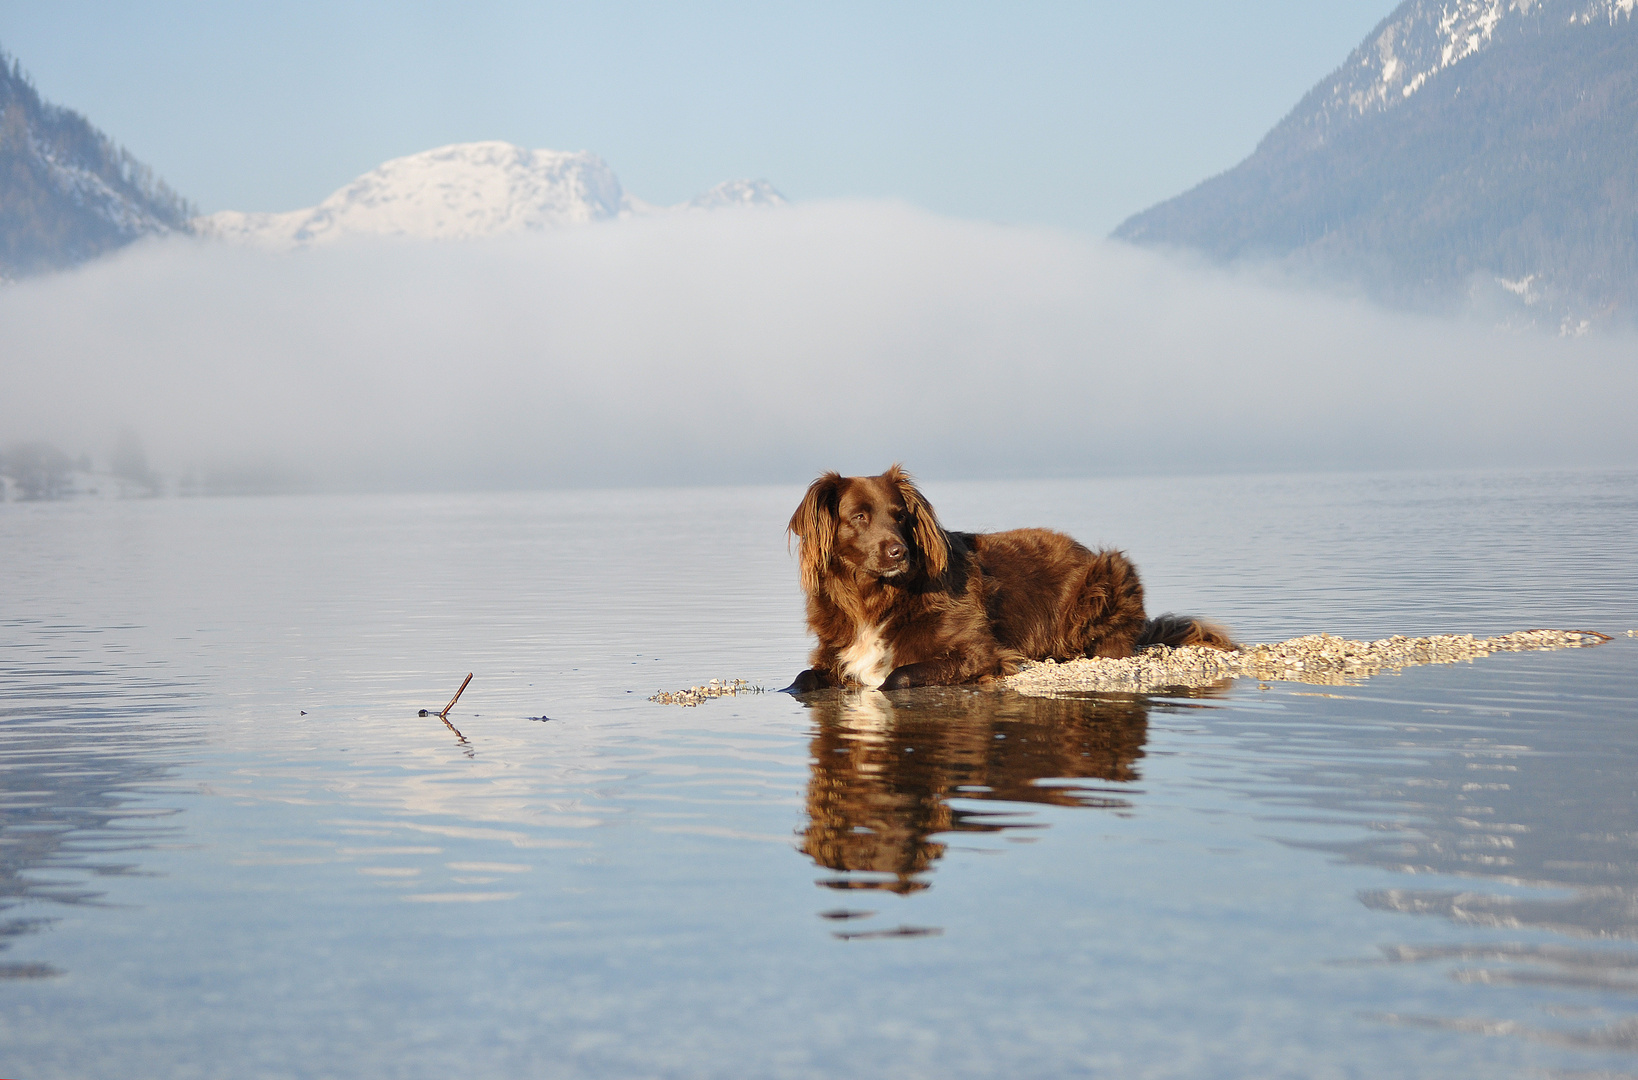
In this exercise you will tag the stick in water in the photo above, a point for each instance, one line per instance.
(444, 716)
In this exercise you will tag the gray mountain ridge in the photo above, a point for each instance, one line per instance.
(1473, 154)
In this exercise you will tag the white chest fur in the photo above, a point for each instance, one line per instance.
(869, 659)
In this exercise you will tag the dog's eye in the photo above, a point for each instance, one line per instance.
(859, 517)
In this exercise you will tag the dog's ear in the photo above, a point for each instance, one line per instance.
(928, 533)
(814, 524)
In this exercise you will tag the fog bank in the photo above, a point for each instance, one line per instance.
(767, 346)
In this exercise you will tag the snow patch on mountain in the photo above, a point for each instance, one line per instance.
(91, 192)
(1422, 38)
(468, 191)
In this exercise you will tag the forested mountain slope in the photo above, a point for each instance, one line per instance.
(1465, 152)
(67, 193)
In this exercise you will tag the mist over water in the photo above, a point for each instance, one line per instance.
(763, 346)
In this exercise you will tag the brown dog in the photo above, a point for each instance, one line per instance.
(897, 601)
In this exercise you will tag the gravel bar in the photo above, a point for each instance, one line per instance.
(696, 695)
(1319, 659)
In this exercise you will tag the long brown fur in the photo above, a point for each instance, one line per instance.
(896, 600)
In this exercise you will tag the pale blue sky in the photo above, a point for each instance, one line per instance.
(1071, 115)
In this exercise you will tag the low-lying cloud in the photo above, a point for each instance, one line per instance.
(765, 346)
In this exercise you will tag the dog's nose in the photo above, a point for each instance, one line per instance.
(895, 551)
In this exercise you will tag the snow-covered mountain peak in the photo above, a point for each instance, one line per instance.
(457, 192)
(467, 191)
(477, 189)
(732, 193)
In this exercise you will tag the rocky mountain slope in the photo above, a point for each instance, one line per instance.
(1469, 152)
(67, 193)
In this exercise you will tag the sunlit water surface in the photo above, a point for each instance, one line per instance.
(231, 848)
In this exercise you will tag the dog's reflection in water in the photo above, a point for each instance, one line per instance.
(886, 767)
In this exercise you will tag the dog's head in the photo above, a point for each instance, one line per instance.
(877, 525)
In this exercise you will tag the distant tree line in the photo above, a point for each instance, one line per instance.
(41, 470)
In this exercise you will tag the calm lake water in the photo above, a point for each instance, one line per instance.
(230, 848)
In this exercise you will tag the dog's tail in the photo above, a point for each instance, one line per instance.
(1175, 630)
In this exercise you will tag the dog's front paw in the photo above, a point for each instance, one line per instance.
(902, 678)
(806, 681)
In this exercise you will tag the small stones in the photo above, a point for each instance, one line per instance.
(696, 695)
(1317, 659)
